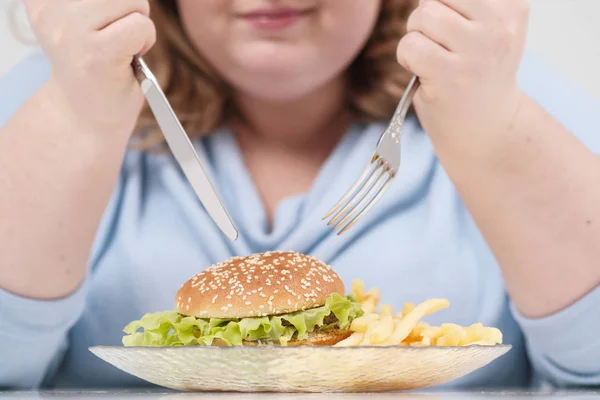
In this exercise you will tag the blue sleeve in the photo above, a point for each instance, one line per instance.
(34, 333)
(564, 348)
(20, 83)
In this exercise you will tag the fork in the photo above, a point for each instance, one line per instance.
(379, 172)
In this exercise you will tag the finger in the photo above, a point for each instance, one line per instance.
(469, 9)
(131, 35)
(43, 15)
(422, 56)
(98, 14)
(441, 24)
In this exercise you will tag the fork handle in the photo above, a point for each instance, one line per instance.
(395, 127)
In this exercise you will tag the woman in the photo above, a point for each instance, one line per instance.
(495, 206)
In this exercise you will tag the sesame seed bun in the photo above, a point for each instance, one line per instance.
(260, 284)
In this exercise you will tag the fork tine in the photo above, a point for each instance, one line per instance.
(375, 199)
(364, 199)
(359, 183)
(366, 185)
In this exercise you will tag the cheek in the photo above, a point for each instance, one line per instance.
(204, 21)
(348, 26)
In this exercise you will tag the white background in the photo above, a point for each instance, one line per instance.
(565, 32)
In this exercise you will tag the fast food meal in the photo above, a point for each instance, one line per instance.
(283, 298)
(406, 329)
(273, 298)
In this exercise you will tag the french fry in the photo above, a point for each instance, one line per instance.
(386, 309)
(431, 332)
(474, 332)
(408, 307)
(405, 328)
(382, 330)
(369, 306)
(354, 339)
(416, 334)
(361, 324)
(358, 290)
(451, 335)
(493, 334)
(366, 341)
(407, 324)
(374, 294)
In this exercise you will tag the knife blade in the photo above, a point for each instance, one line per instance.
(182, 148)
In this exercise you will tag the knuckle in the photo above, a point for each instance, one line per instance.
(151, 30)
(412, 50)
(137, 17)
(58, 37)
(147, 33)
(134, 26)
(89, 57)
(430, 12)
(411, 40)
(34, 10)
(463, 73)
(144, 7)
(502, 39)
(139, 33)
(412, 21)
(85, 62)
(38, 16)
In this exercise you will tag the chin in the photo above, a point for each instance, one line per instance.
(277, 60)
(280, 82)
(276, 70)
(277, 90)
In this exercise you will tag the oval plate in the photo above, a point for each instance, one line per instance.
(299, 369)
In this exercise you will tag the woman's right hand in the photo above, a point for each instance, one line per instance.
(90, 45)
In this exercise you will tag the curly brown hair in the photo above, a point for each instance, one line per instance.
(202, 99)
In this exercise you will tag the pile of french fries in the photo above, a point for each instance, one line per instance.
(405, 328)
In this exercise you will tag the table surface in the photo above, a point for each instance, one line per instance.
(171, 395)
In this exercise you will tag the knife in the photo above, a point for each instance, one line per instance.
(182, 148)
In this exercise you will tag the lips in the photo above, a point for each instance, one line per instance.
(275, 18)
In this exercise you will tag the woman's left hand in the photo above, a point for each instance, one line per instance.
(466, 54)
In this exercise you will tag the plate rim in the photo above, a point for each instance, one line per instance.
(506, 346)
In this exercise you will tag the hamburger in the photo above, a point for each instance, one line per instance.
(279, 298)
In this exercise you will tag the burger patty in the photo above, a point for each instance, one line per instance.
(315, 338)
(330, 319)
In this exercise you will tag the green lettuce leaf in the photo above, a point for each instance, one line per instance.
(169, 328)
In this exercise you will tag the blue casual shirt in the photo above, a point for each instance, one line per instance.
(419, 242)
